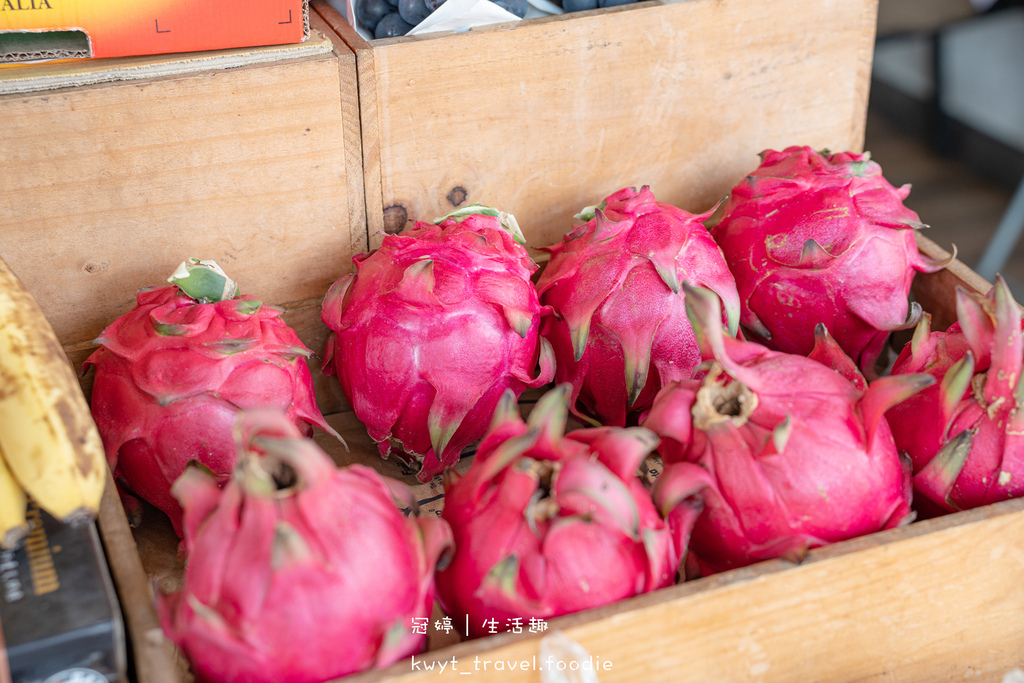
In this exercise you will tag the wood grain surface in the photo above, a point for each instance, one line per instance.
(935, 601)
(544, 117)
(106, 188)
(156, 659)
(931, 291)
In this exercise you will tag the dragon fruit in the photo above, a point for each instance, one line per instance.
(793, 453)
(822, 238)
(965, 435)
(172, 374)
(620, 332)
(432, 329)
(547, 523)
(283, 561)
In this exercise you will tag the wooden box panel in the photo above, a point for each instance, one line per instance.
(545, 116)
(107, 187)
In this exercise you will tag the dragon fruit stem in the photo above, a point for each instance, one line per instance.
(508, 221)
(204, 281)
(722, 405)
(589, 212)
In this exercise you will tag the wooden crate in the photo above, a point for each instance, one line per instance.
(111, 182)
(545, 116)
(936, 600)
(116, 170)
(249, 157)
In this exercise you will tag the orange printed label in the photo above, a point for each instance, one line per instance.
(137, 27)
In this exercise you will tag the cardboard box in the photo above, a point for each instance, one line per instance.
(55, 29)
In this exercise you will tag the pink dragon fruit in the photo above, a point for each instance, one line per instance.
(172, 373)
(431, 330)
(965, 435)
(620, 332)
(298, 571)
(793, 454)
(548, 523)
(822, 238)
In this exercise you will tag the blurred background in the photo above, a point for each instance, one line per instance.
(946, 114)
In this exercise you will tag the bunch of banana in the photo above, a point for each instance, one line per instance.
(50, 449)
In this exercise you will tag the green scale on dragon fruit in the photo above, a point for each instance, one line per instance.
(547, 523)
(620, 331)
(822, 238)
(172, 374)
(793, 452)
(283, 560)
(965, 435)
(432, 329)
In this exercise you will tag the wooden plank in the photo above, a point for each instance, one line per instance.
(368, 102)
(935, 291)
(862, 78)
(936, 600)
(110, 186)
(352, 133)
(543, 117)
(156, 659)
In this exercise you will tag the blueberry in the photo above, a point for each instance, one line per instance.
(432, 5)
(613, 3)
(369, 12)
(578, 5)
(516, 7)
(413, 11)
(391, 25)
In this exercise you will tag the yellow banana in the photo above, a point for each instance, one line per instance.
(47, 434)
(13, 525)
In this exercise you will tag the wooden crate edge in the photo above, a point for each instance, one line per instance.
(351, 129)
(153, 655)
(643, 616)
